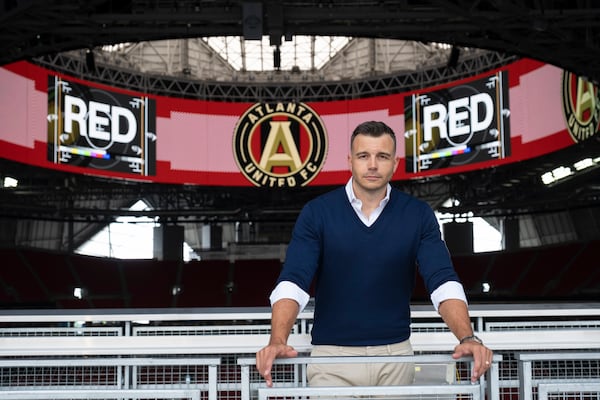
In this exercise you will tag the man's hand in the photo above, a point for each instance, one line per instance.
(266, 356)
(482, 357)
(455, 314)
(283, 317)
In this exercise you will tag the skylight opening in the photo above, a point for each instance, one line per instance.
(302, 52)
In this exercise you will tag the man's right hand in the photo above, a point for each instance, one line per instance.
(268, 354)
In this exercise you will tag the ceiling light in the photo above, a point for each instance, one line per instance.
(451, 202)
(583, 164)
(556, 174)
(111, 48)
(561, 172)
(547, 178)
(79, 293)
(10, 182)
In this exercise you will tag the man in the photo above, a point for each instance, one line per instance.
(362, 244)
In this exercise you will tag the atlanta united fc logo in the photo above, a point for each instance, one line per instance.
(280, 144)
(581, 106)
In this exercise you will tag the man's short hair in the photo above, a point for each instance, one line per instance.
(373, 128)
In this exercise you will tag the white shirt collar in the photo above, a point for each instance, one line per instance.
(357, 204)
(354, 200)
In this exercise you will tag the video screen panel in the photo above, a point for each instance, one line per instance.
(519, 111)
(459, 125)
(100, 129)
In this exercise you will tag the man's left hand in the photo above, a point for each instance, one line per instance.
(482, 357)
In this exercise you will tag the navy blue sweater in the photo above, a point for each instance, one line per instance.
(364, 276)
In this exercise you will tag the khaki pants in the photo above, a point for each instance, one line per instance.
(371, 374)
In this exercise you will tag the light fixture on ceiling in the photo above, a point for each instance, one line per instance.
(485, 287)
(10, 182)
(562, 172)
(79, 293)
(583, 164)
(557, 174)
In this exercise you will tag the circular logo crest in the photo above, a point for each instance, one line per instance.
(280, 144)
(581, 106)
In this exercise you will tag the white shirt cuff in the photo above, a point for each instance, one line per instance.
(289, 290)
(448, 290)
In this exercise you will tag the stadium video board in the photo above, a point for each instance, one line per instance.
(459, 125)
(520, 111)
(100, 129)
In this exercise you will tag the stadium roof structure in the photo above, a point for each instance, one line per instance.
(373, 47)
(560, 32)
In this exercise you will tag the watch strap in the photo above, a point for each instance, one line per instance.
(471, 338)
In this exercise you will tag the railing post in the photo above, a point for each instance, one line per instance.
(492, 387)
(245, 381)
(212, 382)
(525, 384)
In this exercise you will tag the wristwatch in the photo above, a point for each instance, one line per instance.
(471, 338)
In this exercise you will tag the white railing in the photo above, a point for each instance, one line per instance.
(106, 377)
(578, 390)
(430, 384)
(445, 392)
(104, 394)
(230, 334)
(551, 371)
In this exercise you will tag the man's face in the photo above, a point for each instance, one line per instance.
(372, 161)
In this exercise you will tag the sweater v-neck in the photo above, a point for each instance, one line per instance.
(376, 222)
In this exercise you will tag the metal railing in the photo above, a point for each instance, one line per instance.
(104, 394)
(290, 379)
(579, 390)
(231, 334)
(106, 377)
(433, 392)
(549, 371)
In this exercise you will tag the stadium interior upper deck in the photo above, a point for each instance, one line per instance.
(168, 328)
(51, 213)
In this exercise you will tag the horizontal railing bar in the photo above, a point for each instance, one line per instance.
(558, 356)
(264, 313)
(558, 380)
(59, 362)
(425, 358)
(100, 394)
(574, 387)
(474, 389)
